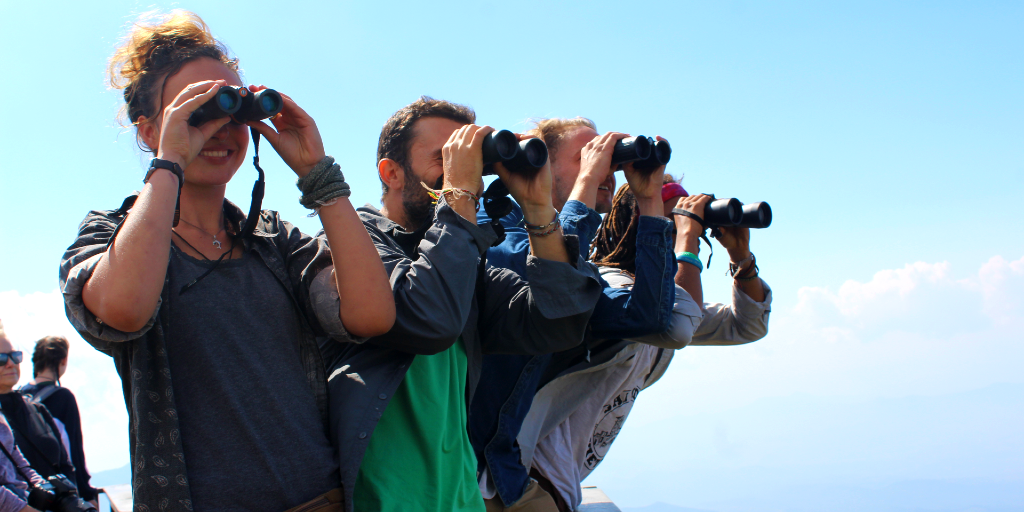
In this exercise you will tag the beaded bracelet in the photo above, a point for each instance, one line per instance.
(554, 227)
(691, 258)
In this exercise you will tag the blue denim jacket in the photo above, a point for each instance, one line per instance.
(506, 391)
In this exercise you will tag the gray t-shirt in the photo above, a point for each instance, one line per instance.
(250, 429)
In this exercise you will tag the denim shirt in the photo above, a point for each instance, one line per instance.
(504, 397)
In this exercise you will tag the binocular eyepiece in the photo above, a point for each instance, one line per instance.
(240, 104)
(646, 153)
(731, 212)
(521, 156)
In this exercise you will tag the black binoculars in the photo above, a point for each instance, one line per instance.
(240, 103)
(521, 156)
(731, 212)
(646, 153)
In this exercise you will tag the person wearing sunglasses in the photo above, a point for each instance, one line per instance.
(35, 432)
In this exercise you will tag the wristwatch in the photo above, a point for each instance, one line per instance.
(158, 163)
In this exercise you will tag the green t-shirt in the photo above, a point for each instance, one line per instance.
(420, 458)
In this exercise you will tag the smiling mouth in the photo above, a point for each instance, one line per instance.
(603, 187)
(214, 154)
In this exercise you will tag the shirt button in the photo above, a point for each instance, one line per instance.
(382, 396)
(362, 435)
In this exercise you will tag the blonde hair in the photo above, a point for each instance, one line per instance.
(553, 130)
(156, 47)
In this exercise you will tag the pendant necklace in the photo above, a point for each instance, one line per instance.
(216, 243)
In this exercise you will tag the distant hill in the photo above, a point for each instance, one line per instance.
(663, 507)
(121, 475)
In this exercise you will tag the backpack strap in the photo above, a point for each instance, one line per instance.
(41, 395)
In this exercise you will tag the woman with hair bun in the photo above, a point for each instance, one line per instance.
(212, 321)
(49, 361)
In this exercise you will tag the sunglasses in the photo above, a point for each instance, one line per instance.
(15, 357)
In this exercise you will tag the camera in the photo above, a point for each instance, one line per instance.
(520, 156)
(240, 103)
(58, 494)
(731, 212)
(645, 153)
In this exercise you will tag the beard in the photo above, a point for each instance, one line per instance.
(418, 206)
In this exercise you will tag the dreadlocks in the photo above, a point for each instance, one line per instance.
(615, 243)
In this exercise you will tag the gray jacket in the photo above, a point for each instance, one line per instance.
(442, 292)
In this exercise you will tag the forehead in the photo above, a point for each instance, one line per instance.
(577, 137)
(431, 133)
(203, 68)
(5, 345)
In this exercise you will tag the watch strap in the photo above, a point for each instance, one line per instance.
(158, 163)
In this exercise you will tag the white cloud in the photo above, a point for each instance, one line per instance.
(90, 375)
(917, 330)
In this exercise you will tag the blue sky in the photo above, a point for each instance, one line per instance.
(885, 135)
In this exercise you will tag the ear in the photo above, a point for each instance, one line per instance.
(391, 174)
(149, 132)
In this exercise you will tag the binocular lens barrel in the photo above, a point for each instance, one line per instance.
(631, 149)
(258, 106)
(499, 146)
(532, 155)
(723, 212)
(242, 105)
(223, 104)
(756, 215)
(516, 155)
(661, 153)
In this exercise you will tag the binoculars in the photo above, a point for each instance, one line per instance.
(240, 103)
(731, 212)
(520, 156)
(645, 153)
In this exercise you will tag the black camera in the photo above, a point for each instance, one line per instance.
(240, 103)
(731, 212)
(58, 494)
(646, 153)
(521, 156)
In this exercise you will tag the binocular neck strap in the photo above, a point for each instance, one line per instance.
(256, 206)
(704, 229)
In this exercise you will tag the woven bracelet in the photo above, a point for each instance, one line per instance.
(323, 185)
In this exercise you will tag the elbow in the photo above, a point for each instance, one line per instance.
(124, 319)
(377, 323)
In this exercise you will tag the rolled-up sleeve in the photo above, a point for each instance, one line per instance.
(743, 321)
(77, 267)
(326, 303)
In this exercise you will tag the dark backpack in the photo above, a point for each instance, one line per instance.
(39, 439)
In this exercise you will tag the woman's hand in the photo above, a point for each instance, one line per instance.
(180, 142)
(294, 135)
(688, 230)
(736, 240)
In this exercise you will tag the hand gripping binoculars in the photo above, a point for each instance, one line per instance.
(241, 104)
(646, 153)
(519, 156)
(731, 212)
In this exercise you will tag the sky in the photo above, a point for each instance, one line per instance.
(886, 136)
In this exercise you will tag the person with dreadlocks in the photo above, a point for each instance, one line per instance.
(213, 322)
(582, 179)
(585, 398)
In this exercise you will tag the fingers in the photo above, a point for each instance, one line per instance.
(266, 131)
(193, 96)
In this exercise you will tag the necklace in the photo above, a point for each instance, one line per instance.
(216, 243)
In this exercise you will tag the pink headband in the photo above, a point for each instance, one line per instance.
(672, 190)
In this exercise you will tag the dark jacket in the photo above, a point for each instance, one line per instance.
(63, 406)
(504, 398)
(442, 293)
(159, 470)
(37, 436)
